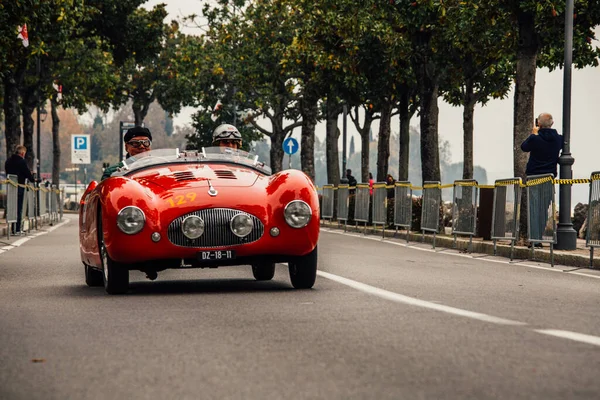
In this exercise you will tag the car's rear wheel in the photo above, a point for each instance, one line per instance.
(303, 270)
(263, 271)
(115, 275)
(93, 277)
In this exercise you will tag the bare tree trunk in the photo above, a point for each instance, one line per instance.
(28, 104)
(331, 141)
(524, 102)
(55, 142)
(404, 155)
(468, 112)
(12, 115)
(430, 152)
(276, 152)
(308, 107)
(383, 142)
(364, 132)
(140, 109)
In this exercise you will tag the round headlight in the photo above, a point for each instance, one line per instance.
(297, 214)
(193, 227)
(131, 220)
(241, 225)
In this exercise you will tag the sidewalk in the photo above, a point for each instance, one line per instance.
(580, 257)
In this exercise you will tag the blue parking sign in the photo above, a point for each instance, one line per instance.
(81, 142)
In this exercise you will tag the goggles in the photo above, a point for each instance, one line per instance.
(137, 143)
(228, 135)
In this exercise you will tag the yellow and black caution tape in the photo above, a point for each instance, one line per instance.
(570, 181)
(499, 183)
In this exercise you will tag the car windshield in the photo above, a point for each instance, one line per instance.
(205, 155)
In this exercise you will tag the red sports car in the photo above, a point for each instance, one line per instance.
(197, 209)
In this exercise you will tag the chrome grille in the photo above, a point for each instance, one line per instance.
(183, 175)
(217, 232)
(225, 174)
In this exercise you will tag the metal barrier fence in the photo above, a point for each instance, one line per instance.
(342, 204)
(379, 205)
(430, 208)
(464, 209)
(506, 212)
(592, 237)
(29, 202)
(327, 203)
(361, 206)
(541, 212)
(11, 201)
(403, 206)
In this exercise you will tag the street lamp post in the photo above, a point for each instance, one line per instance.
(566, 236)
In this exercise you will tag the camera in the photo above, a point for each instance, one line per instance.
(536, 122)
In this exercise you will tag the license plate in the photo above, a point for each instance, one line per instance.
(216, 255)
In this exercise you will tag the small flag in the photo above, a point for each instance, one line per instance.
(23, 35)
(58, 88)
(216, 109)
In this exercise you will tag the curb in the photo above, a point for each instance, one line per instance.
(562, 257)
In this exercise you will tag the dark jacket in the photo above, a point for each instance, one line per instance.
(545, 148)
(351, 180)
(16, 165)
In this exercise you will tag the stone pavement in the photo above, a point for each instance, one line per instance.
(579, 257)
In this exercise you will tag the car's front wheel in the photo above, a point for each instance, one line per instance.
(115, 275)
(93, 277)
(263, 271)
(303, 270)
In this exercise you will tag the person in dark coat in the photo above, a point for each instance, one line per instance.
(543, 145)
(16, 165)
(351, 179)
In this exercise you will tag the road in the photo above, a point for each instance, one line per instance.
(384, 321)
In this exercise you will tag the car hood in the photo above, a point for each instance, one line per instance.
(175, 176)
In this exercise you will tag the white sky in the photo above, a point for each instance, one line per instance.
(493, 136)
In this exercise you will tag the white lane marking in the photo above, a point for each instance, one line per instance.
(549, 269)
(25, 239)
(579, 337)
(399, 298)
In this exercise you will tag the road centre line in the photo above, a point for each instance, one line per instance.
(579, 337)
(549, 269)
(399, 298)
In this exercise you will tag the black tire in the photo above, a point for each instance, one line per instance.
(263, 271)
(303, 270)
(115, 275)
(93, 277)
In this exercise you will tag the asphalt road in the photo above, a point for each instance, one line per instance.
(384, 321)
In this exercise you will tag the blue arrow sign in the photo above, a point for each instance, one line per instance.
(290, 146)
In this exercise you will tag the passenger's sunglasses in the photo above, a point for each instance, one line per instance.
(139, 143)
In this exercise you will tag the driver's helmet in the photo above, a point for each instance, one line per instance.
(227, 132)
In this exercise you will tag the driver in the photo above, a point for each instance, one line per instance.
(227, 135)
(137, 140)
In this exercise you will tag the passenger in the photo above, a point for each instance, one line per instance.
(137, 140)
(227, 135)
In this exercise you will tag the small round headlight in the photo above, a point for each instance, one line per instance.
(297, 214)
(131, 220)
(193, 227)
(241, 225)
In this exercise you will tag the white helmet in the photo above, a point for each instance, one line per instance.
(226, 132)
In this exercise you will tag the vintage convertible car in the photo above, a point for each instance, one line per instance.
(196, 209)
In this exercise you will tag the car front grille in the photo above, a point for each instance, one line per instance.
(217, 232)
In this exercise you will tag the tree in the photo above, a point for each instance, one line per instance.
(479, 69)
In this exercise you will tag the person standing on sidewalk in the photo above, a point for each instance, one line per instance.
(16, 165)
(543, 145)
